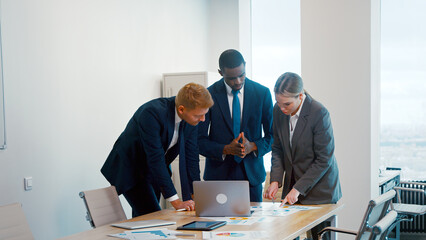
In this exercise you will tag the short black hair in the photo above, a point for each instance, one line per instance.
(230, 58)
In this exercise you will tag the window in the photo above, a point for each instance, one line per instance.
(276, 43)
(403, 87)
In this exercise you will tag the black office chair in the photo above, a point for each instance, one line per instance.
(407, 208)
(375, 212)
(408, 211)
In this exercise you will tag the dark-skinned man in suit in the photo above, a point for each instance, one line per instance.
(231, 137)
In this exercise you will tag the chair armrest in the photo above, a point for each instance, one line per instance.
(409, 189)
(415, 183)
(333, 229)
(398, 196)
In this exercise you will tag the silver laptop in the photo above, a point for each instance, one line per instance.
(222, 198)
(143, 224)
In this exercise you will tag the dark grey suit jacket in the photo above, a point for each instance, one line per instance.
(310, 159)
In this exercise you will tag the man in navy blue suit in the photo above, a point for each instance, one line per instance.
(139, 163)
(231, 136)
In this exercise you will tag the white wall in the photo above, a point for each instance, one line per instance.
(75, 71)
(340, 66)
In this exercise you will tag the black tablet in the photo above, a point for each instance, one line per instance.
(201, 225)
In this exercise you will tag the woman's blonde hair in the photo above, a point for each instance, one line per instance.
(194, 95)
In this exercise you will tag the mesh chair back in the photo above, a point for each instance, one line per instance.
(13, 224)
(103, 206)
(376, 210)
(381, 228)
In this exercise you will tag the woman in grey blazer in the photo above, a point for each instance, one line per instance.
(303, 147)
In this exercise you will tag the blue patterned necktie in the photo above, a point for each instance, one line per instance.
(236, 118)
(236, 113)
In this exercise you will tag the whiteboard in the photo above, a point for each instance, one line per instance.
(173, 82)
(2, 111)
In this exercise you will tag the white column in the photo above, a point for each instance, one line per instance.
(229, 27)
(340, 68)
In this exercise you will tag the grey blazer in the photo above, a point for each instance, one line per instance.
(310, 159)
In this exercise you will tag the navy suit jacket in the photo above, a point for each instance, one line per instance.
(257, 114)
(139, 152)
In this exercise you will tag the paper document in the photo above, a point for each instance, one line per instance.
(275, 212)
(119, 235)
(241, 220)
(276, 205)
(299, 207)
(147, 234)
(248, 235)
(151, 234)
(271, 209)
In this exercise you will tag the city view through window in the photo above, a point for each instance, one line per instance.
(403, 87)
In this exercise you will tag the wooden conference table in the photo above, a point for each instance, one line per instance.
(288, 227)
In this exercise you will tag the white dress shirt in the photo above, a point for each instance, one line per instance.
(176, 131)
(231, 98)
(293, 119)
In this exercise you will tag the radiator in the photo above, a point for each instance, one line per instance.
(418, 223)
